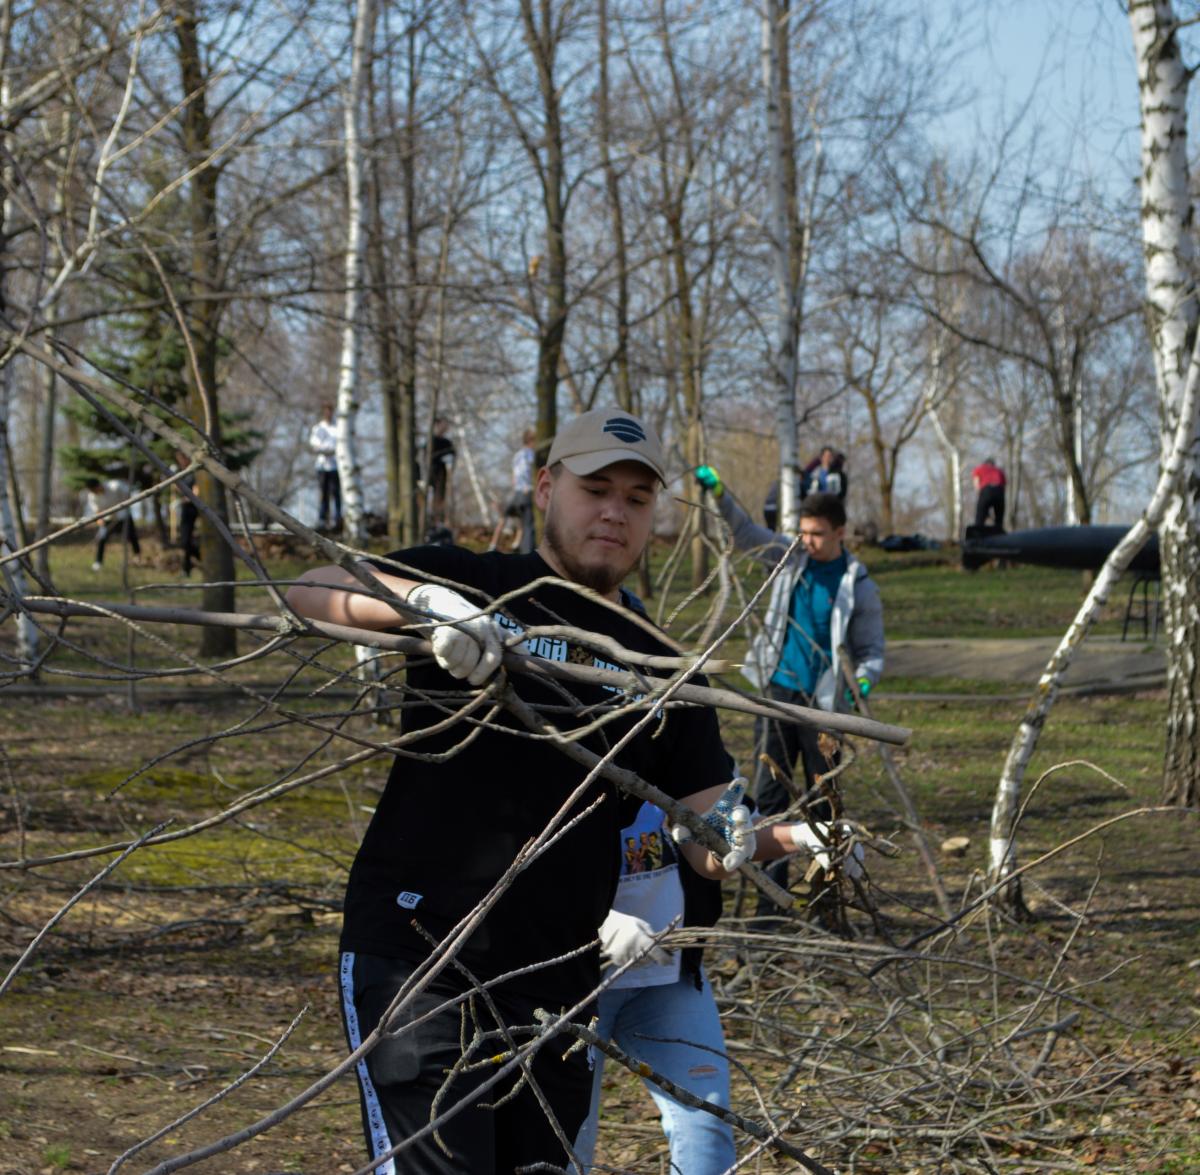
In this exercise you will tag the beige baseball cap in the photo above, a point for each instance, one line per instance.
(604, 436)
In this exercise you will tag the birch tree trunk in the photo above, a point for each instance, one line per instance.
(1081, 506)
(933, 405)
(46, 469)
(50, 382)
(612, 187)
(349, 466)
(381, 304)
(1169, 251)
(783, 360)
(1002, 842)
(541, 32)
(790, 242)
(1172, 314)
(413, 528)
(13, 581)
(463, 444)
(622, 378)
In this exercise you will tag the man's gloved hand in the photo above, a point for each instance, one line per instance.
(815, 837)
(710, 479)
(729, 818)
(469, 648)
(864, 688)
(625, 937)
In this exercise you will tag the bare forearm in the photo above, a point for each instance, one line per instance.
(772, 842)
(334, 595)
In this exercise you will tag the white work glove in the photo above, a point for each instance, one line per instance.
(469, 648)
(815, 837)
(729, 818)
(624, 938)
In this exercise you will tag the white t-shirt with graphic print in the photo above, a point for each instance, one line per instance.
(650, 889)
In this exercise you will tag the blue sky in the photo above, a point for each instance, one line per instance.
(1070, 60)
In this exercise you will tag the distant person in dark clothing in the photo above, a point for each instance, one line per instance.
(771, 506)
(187, 517)
(989, 482)
(825, 474)
(443, 462)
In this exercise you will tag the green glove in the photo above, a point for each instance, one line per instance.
(864, 688)
(710, 479)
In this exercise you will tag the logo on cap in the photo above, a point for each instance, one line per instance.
(625, 429)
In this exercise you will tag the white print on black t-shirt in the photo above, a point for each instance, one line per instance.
(408, 899)
(552, 648)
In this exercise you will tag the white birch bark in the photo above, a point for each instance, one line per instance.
(462, 444)
(1002, 842)
(349, 465)
(1072, 490)
(933, 403)
(82, 256)
(46, 457)
(1169, 257)
(49, 379)
(13, 580)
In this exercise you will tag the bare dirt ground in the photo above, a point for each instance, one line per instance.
(174, 978)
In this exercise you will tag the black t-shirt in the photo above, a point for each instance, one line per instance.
(445, 832)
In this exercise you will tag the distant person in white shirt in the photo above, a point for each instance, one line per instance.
(103, 496)
(322, 440)
(520, 502)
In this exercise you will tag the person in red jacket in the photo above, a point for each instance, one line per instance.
(989, 482)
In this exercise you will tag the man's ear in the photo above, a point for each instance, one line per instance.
(542, 487)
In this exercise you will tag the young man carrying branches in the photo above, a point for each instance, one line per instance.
(823, 602)
(480, 789)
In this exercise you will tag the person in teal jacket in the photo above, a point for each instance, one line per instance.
(821, 602)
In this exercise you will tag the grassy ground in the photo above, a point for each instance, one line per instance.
(186, 964)
(927, 594)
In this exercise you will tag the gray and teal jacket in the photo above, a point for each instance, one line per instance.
(857, 620)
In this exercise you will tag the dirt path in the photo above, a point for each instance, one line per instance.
(1021, 660)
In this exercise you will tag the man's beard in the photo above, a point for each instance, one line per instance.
(601, 579)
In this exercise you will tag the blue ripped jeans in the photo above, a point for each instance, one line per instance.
(700, 1143)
